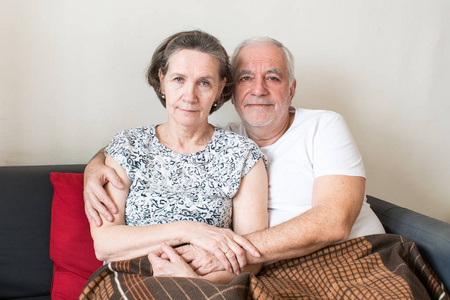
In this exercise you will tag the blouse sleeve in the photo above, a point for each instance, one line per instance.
(120, 149)
(253, 156)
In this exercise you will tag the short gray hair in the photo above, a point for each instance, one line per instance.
(264, 40)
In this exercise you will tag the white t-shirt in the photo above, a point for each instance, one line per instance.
(317, 143)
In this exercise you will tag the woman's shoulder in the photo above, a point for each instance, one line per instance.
(137, 133)
(132, 138)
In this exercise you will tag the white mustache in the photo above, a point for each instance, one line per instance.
(258, 101)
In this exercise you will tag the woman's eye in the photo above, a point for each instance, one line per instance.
(178, 79)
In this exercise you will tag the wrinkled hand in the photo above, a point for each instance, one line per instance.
(229, 248)
(173, 265)
(200, 260)
(96, 200)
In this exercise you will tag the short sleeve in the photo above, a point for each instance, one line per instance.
(120, 149)
(335, 150)
(253, 156)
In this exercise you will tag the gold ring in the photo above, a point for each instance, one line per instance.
(225, 253)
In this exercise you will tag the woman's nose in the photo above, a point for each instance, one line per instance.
(190, 93)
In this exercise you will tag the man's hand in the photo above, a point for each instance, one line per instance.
(200, 260)
(96, 200)
(173, 265)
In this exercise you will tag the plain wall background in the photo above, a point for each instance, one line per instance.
(72, 73)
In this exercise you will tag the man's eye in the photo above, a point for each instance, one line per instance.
(204, 82)
(273, 78)
(245, 78)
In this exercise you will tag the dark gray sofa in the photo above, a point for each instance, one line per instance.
(25, 211)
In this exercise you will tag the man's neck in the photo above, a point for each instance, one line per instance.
(267, 135)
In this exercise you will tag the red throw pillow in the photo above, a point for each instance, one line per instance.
(71, 245)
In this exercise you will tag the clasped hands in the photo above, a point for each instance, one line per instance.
(226, 251)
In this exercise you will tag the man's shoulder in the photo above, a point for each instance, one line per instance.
(315, 112)
(305, 116)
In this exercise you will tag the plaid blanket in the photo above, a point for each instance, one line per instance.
(373, 267)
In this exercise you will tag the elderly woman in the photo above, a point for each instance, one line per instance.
(187, 182)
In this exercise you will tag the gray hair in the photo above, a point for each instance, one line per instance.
(264, 40)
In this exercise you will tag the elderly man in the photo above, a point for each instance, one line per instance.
(316, 173)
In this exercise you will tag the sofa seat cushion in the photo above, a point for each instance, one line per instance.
(71, 245)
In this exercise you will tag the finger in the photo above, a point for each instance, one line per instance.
(108, 206)
(219, 254)
(186, 253)
(245, 244)
(231, 256)
(170, 252)
(238, 254)
(100, 201)
(92, 214)
(95, 196)
(114, 179)
(206, 267)
(157, 264)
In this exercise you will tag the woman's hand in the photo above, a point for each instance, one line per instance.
(228, 247)
(171, 265)
(96, 200)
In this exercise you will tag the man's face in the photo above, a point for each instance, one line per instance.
(262, 94)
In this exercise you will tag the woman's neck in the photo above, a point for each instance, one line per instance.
(184, 140)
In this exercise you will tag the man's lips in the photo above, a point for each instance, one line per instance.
(258, 105)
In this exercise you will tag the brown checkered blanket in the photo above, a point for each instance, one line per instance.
(373, 267)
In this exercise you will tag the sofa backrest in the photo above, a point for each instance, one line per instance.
(431, 236)
(25, 214)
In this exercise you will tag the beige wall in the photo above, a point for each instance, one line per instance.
(72, 74)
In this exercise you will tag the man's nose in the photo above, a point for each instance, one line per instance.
(259, 87)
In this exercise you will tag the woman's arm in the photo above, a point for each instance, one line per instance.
(116, 241)
(250, 208)
(249, 215)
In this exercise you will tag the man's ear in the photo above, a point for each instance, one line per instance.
(292, 89)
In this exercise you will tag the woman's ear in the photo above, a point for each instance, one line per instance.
(161, 81)
(222, 86)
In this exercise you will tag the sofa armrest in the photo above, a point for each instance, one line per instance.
(431, 236)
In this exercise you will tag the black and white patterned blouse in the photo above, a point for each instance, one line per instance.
(168, 186)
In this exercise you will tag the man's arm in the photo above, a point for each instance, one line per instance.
(96, 200)
(336, 204)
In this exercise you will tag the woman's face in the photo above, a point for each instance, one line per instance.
(191, 86)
